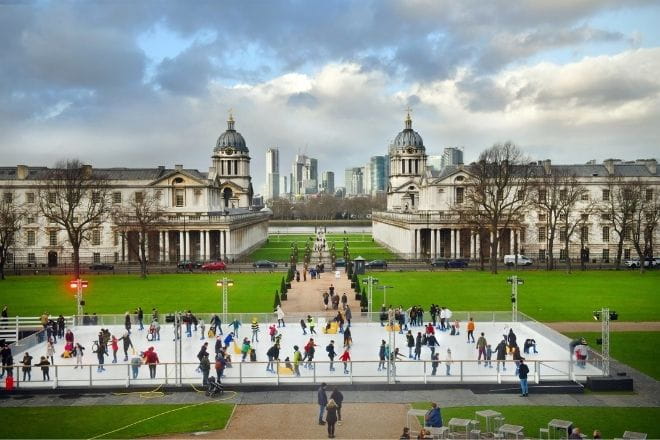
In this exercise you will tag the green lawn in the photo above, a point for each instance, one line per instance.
(113, 294)
(611, 422)
(546, 296)
(631, 348)
(93, 421)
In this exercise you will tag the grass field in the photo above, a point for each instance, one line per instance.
(93, 421)
(636, 349)
(112, 294)
(278, 247)
(611, 422)
(546, 296)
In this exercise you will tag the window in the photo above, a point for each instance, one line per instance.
(96, 237)
(96, 197)
(7, 197)
(520, 194)
(31, 258)
(115, 238)
(626, 234)
(626, 254)
(627, 194)
(563, 255)
(97, 257)
(139, 197)
(563, 194)
(29, 197)
(542, 254)
(606, 234)
(522, 238)
(52, 238)
(31, 219)
(605, 217)
(562, 234)
(584, 233)
(52, 197)
(116, 197)
(179, 198)
(542, 195)
(10, 257)
(606, 195)
(606, 255)
(649, 195)
(116, 257)
(584, 196)
(543, 217)
(459, 195)
(542, 233)
(562, 217)
(31, 238)
(584, 217)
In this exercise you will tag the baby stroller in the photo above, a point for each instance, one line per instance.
(214, 387)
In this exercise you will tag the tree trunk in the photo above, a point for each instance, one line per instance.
(551, 240)
(76, 260)
(2, 270)
(568, 257)
(619, 252)
(481, 253)
(143, 256)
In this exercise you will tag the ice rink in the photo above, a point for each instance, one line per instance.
(550, 363)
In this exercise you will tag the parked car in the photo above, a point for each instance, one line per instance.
(510, 260)
(264, 263)
(101, 266)
(457, 264)
(214, 265)
(633, 263)
(187, 264)
(340, 262)
(439, 262)
(377, 264)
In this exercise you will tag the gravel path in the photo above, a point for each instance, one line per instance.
(617, 326)
(306, 296)
(299, 421)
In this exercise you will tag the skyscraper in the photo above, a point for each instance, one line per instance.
(328, 182)
(304, 175)
(354, 181)
(451, 156)
(435, 162)
(272, 173)
(377, 174)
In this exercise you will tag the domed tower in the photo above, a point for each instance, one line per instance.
(231, 168)
(407, 166)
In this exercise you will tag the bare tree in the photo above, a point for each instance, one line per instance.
(498, 190)
(73, 196)
(282, 209)
(11, 219)
(571, 218)
(644, 220)
(141, 216)
(620, 205)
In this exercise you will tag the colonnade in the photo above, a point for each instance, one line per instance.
(461, 246)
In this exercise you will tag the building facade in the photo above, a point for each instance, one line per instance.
(451, 156)
(354, 181)
(328, 182)
(272, 173)
(206, 215)
(423, 217)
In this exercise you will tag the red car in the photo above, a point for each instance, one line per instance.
(214, 265)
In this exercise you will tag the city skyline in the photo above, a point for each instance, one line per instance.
(151, 84)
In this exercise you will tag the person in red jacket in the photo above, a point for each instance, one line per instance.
(151, 359)
(345, 358)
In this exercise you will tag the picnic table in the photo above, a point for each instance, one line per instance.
(487, 415)
(555, 425)
(415, 413)
(460, 423)
(516, 430)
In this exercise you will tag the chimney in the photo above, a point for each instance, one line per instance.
(22, 172)
(609, 166)
(650, 164)
(547, 167)
(87, 170)
(178, 167)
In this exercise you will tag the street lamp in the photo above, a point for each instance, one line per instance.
(515, 282)
(605, 316)
(370, 281)
(225, 283)
(79, 285)
(384, 289)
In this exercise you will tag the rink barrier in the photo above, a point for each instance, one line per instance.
(254, 374)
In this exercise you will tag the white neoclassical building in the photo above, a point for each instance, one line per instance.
(207, 215)
(422, 220)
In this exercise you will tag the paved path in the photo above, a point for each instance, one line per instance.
(306, 296)
(617, 326)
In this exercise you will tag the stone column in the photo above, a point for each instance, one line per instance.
(477, 245)
(187, 236)
(123, 248)
(228, 245)
(452, 243)
(512, 235)
(221, 245)
(182, 249)
(166, 251)
(207, 244)
(432, 234)
(471, 245)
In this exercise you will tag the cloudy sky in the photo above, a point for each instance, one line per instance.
(147, 83)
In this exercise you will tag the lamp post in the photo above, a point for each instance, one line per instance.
(605, 316)
(79, 285)
(225, 283)
(514, 281)
(384, 289)
(370, 281)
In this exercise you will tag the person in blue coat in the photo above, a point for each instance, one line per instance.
(229, 339)
(433, 418)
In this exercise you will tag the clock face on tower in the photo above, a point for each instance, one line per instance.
(229, 151)
(410, 150)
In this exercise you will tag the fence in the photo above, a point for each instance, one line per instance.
(255, 373)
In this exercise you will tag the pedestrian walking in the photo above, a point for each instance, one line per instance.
(331, 418)
(523, 371)
(338, 397)
(322, 400)
(205, 366)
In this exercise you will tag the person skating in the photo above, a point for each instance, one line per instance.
(470, 331)
(348, 338)
(127, 322)
(345, 358)
(418, 346)
(432, 342)
(523, 371)
(255, 330)
(330, 349)
(27, 366)
(44, 364)
(322, 400)
(310, 351)
(448, 362)
(205, 367)
(280, 316)
(151, 359)
(410, 341)
(481, 346)
(235, 324)
(136, 363)
(273, 354)
(114, 344)
(202, 330)
(311, 323)
(382, 355)
(436, 362)
(245, 349)
(100, 355)
(297, 358)
(140, 317)
(501, 355)
(303, 326)
(79, 355)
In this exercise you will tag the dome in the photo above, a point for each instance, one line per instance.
(408, 137)
(231, 138)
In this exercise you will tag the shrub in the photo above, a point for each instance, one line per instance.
(277, 300)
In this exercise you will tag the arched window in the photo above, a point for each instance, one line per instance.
(227, 194)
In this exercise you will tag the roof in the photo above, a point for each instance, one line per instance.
(148, 174)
